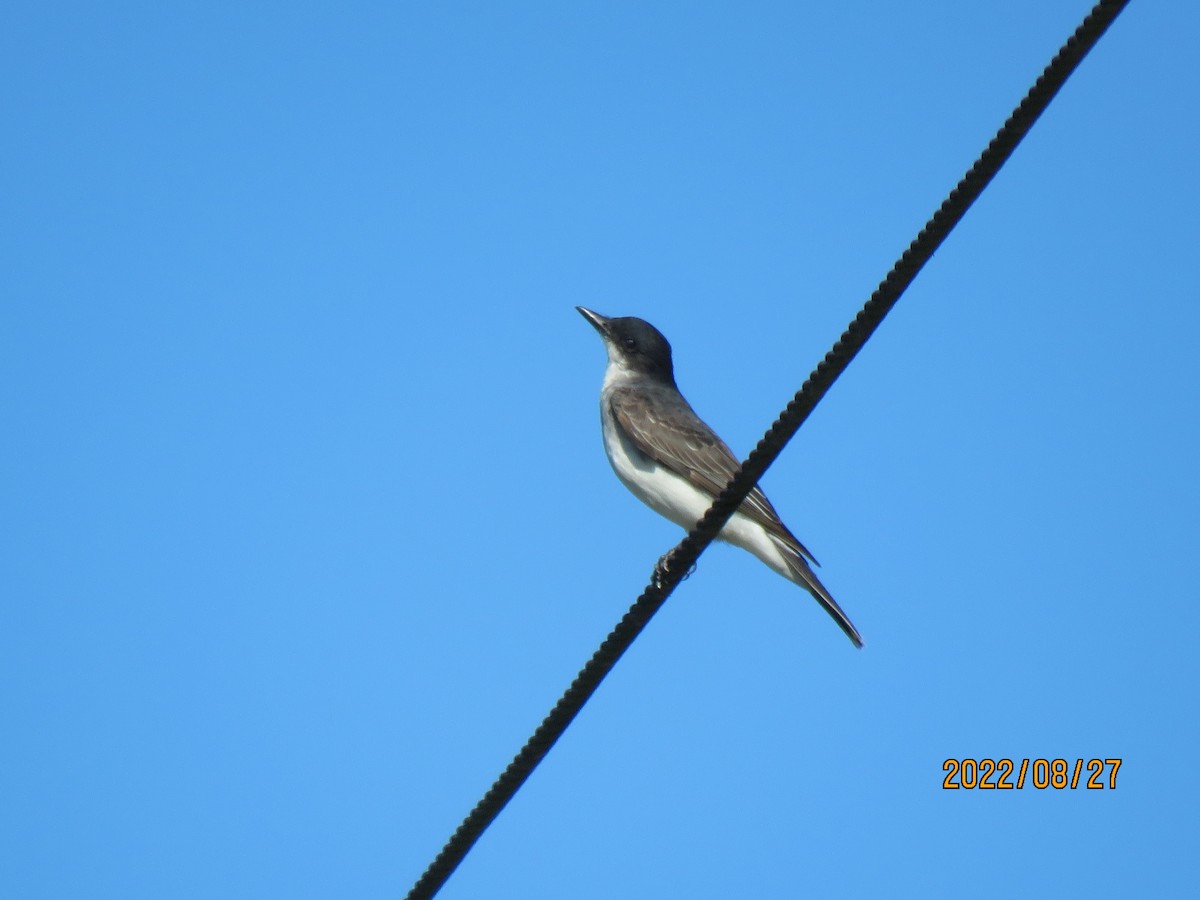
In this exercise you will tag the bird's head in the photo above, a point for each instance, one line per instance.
(634, 345)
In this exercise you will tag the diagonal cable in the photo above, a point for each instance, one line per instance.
(926, 243)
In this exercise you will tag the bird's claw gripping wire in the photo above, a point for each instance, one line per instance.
(664, 566)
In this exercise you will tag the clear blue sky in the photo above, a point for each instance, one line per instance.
(306, 519)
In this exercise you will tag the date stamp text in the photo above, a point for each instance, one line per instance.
(1005, 774)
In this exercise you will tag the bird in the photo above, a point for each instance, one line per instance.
(665, 454)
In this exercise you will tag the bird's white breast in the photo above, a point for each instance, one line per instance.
(672, 496)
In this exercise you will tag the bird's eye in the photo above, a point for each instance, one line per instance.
(629, 343)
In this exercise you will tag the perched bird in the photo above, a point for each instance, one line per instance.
(675, 464)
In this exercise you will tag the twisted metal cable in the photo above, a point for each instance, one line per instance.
(667, 578)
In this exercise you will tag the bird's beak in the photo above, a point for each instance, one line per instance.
(599, 322)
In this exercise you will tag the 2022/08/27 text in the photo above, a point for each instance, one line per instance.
(998, 774)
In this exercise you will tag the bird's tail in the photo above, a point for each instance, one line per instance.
(800, 572)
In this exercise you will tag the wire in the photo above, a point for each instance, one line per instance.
(667, 578)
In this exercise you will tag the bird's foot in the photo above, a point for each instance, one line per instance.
(665, 565)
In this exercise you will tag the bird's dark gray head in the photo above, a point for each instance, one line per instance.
(634, 344)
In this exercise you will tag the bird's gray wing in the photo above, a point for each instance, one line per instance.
(665, 428)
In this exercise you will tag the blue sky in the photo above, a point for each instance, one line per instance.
(306, 520)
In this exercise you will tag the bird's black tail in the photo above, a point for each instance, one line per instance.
(803, 575)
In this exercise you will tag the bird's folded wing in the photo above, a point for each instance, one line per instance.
(672, 435)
